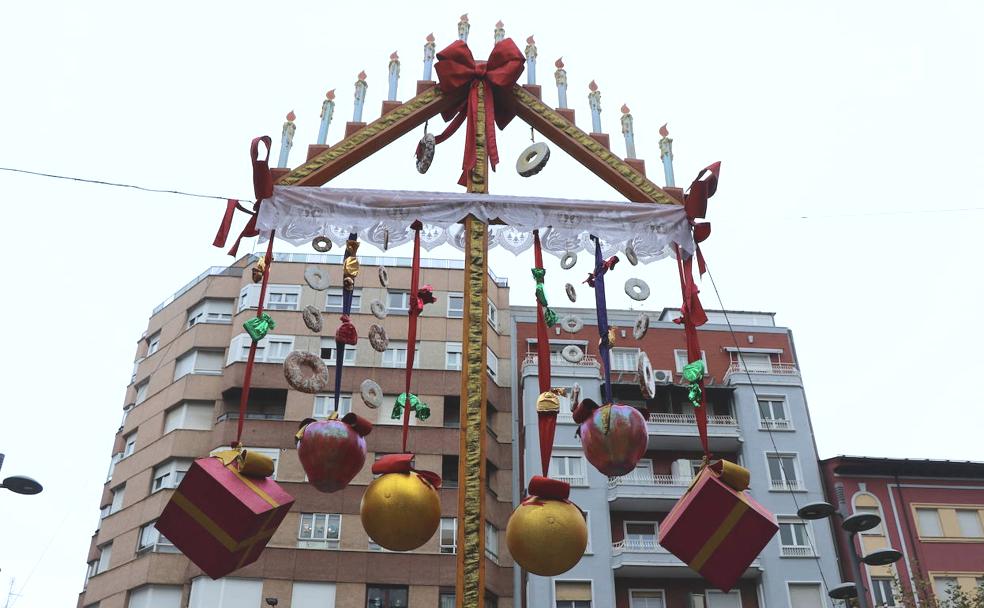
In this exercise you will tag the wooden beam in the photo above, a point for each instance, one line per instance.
(370, 139)
(595, 157)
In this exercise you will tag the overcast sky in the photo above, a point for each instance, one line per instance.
(850, 134)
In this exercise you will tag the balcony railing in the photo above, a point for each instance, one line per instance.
(796, 551)
(768, 424)
(637, 479)
(661, 418)
(586, 361)
(574, 480)
(637, 545)
(250, 416)
(776, 369)
(214, 271)
(787, 485)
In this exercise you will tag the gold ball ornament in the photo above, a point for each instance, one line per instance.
(547, 536)
(400, 511)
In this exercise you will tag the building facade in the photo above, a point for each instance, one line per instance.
(931, 510)
(183, 403)
(758, 418)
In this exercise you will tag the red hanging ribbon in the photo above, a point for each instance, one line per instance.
(695, 202)
(416, 305)
(262, 189)
(457, 71)
(248, 373)
(546, 421)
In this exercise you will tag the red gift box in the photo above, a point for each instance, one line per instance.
(220, 516)
(716, 528)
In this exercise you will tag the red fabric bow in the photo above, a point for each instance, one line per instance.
(695, 202)
(346, 332)
(609, 264)
(457, 71)
(425, 295)
(262, 189)
(544, 487)
(584, 410)
(359, 424)
(403, 463)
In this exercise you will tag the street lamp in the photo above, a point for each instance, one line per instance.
(19, 484)
(859, 522)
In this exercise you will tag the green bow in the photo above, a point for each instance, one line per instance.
(694, 373)
(258, 327)
(541, 297)
(420, 409)
(549, 316)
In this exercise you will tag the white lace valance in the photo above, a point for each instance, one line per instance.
(299, 214)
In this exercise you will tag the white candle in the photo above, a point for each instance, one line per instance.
(286, 139)
(327, 112)
(628, 132)
(666, 154)
(429, 51)
(561, 77)
(530, 61)
(594, 101)
(463, 28)
(360, 96)
(500, 31)
(394, 76)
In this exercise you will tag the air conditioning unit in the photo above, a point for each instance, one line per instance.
(663, 376)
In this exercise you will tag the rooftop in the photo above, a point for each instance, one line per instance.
(907, 467)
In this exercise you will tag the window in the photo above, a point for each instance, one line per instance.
(169, 474)
(680, 355)
(333, 300)
(969, 521)
(794, 538)
(210, 310)
(491, 363)
(755, 362)
(271, 349)
(104, 512)
(624, 359)
(118, 493)
(319, 531)
(398, 301)
(877, 530)
(929, 522)
(129, 444)
(312, 595)
(226, 592)
(194, 415)
(784, 471)
(152, 540)
(569, 469)
(452, 411)
(112, 464)
(396, 355)
(449, 534)
(283, 297)
(155, 596)
(105, 555)
(449, 470)
(446, 599)
(197, 361)
(456, 305)
(772, 414)
(881, 589)
(587, 523)
(452, 357)
(493, 316)
(943, 586)
(92, 569)
(640, 536)
(646, 599)
(329, 350)
(572, 594)
(153, 344)
(324, 404)
(141, 391)
(386, 596)
(491, 541)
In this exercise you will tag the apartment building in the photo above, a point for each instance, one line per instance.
(931, 510)
(758, 417)
(183, 403)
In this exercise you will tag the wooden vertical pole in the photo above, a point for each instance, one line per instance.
(470, 582)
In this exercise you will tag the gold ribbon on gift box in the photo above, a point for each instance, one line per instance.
(737, 478)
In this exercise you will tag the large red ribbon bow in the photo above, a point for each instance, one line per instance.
(403, 463)
(262, 188)
(695, 202)
(457, 71)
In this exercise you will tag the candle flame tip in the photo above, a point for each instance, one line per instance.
(663, 131)
(593, 86)
(394, 56)
(430, 37)
(330, 94)
(362, 75)
(291, 116)
(465, 17)
(530, 40)
(499, 23)
(559, 64)
(625, 108)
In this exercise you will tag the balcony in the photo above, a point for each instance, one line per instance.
(645, 492)
(669, 431)
(796, 551)
(645, 558)
(776, 373)
(786, 485)
(576, 481)
(588, 367)
(769, 424)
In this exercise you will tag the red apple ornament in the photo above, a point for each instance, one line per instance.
(332, 451)
(613, 436)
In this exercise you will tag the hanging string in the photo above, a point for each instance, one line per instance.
(250, 360)
(347, 296)
(414, 311)
(604, 346)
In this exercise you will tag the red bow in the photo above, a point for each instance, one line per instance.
(695, 203)
(346, 332)
(262, 188)
(403, 463)
(425, 295)
(359, 424)
(457, 71)
(544, 487)
(609, 264)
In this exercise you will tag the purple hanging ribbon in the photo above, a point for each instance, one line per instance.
(339, 347)
(602, 310)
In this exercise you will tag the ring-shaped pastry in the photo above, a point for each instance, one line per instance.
(378, 309)
(377, 338)
(321, 243)
(426, 155)
(647, 381)
(384, 276)
(630, 254)
(637, 289)
(571, 323)
(312, 318)
(571, 294)
(572, 353)
(641, 327)
(316, 278)
(567, 262)
(372, 393)
(533, 159)
(317, 382)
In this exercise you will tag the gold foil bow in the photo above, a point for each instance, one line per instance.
(350, 269)
(548, 402)
(250, 464)
(733, 475)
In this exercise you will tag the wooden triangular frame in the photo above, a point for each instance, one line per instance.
(394, 124)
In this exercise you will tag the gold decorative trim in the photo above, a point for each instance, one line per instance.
(478, 177)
